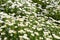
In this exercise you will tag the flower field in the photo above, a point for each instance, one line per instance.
(29, 19)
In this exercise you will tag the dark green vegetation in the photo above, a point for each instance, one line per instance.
(51, 13)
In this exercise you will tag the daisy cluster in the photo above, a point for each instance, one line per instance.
(20, 20)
